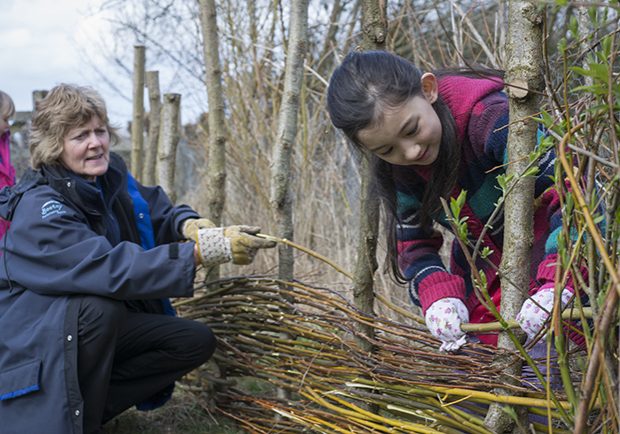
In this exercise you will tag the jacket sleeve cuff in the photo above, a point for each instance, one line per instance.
(186, 258)
(440, 285)
(183, 213)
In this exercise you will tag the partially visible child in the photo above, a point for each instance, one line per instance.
(7, 171)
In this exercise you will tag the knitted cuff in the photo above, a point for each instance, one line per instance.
(546, 271)
(440, 285)
(213, 246)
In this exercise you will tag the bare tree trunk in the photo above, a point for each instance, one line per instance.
(281, 201)
(216, 150)
(287, 130)
(216, 165)
(137, 123)
(168, 142)
(374, 25)
(149, 174)
(524, 66)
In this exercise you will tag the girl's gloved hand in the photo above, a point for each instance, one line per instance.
(444, 318)
(536, 309)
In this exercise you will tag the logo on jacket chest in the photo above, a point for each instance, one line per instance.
(51, 207)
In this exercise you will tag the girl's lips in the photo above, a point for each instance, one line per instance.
(421, 157)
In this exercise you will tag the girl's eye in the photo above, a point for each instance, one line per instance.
(412, 131)
(387, 151)
(101, 131)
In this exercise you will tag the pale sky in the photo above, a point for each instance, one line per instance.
(42, 44)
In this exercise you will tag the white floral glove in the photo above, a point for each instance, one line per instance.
(536, 309)
(444, 318)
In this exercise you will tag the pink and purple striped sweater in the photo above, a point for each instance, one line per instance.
(480, 110)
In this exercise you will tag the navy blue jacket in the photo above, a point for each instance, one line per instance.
(62, 243)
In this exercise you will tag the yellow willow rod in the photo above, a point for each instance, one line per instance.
(517, 400)
(358, 412)
(308, 251)
(584, 207)
(569, 314)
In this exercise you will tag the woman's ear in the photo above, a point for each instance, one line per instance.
(429, 87)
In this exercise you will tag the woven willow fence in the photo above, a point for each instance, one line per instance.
(403, 386)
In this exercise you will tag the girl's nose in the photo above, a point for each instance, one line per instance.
(412, 152)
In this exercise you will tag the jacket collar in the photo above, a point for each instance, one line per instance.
(85, 194)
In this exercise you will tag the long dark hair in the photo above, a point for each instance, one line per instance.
(359, 90)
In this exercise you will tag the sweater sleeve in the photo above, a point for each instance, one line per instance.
(488, 135)
(419, 260)
(488, 129)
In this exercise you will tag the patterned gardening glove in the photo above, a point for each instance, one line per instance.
(243, 243)
(236, 243)
(444, 318)
(191, 226)
(535, 310)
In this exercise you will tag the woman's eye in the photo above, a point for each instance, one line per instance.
(386, 152)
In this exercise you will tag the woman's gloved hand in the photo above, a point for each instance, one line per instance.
(236, 243)
(191, 226)
(536, 309)
(444, 318)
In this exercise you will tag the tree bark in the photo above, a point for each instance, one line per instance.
(149, 174)
(374, 25)
(524, 65)
(216, 164)
(168, 142)
(281, 200)
(137, 123)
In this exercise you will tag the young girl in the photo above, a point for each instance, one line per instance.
(7, 171)
(432, 136)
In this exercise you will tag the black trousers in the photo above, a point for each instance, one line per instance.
(125, 358)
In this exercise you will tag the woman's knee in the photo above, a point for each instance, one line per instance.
(198, 341)
(100, 314)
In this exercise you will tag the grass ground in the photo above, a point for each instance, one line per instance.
(183, 414)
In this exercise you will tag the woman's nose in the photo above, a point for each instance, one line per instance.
(94, 139)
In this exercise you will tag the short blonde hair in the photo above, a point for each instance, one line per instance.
(7, 101)
(65, 107)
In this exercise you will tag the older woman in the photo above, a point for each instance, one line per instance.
(88, 263)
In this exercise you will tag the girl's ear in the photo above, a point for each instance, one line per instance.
(429, 87)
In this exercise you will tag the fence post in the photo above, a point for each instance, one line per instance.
(168, 142)
(149, 174)
(137, 123)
